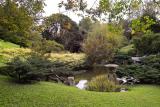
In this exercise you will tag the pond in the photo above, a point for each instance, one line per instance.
(82, 78)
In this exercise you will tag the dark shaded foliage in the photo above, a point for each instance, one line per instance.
(148, 72)
(44, 46)
(122, 59)
(26, 70)
(148, 44)
(35, 67)
(152, 61)
(15, 23)
(69, 36)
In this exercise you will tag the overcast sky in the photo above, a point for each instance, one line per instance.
(52, 7)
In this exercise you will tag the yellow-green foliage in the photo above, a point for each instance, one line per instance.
(142, 25)
(102, 42)
(128, 50)
(69, 60)
(102, 83)
(7, 54)
(10, 53)
(4, 44)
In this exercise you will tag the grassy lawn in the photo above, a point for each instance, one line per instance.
(46, 94)
(4, 44)
(127, 49)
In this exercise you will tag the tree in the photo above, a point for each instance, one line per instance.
(29, 69)
(148, 22)
(115, 10)
(15, 23)
(102, 43)
(148, 44)
(142, 25)
(64, 31)
(62, 19)
(33, 7)
(86, 24)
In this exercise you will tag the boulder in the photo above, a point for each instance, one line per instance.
(127, 80)
(82, 84)
(70, 81)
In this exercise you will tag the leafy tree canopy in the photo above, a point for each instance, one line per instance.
(115, 10)
(68, 35)
(86, 24)
(33, 7)
(15, 23)
(64, 20)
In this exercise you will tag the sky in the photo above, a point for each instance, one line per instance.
(52, 7)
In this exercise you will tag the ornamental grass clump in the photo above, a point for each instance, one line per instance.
(102, 83)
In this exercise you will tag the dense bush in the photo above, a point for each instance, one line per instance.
(122, 59)
(7, 54)
(47, 46)
(98, 49)
(72, 61)
(101, 43)
(67, 60)
(144, 73)
(102, 83)
(38, 66)
(152, 58)
(35, 67)
(148, 44)
(15, 23)
(68, 34)
(152, 61)
(28, 69)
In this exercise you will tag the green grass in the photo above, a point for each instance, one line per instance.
(4, 44)
(46, 94)
(130, 49)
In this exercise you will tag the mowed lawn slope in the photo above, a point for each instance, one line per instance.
(4, 44)
(47, 94)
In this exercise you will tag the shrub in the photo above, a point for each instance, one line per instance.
(21, 70)
(97, 49)
(72, 61)
(13, 27)
(35, 67)
(69, 36)
(122, 59)
(145, 73)
(148, 44)
(61, 62)
(101, 83)
(47, 46)
(101, 44)
(32, 68)
(7, 54)
(152, 61)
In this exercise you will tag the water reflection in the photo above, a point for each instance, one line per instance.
(96, 71)
(82, 78)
